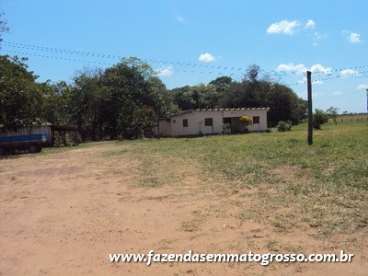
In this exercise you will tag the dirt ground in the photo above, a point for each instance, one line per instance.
(62, 213)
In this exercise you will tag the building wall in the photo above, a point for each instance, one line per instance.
(196, 122)
(165, 128)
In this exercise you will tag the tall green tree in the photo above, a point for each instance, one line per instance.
(57, 102)
(87, 103)
(127, 89)
(20, 96)
(122, 101)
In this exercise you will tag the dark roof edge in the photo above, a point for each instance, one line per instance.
(218, 109)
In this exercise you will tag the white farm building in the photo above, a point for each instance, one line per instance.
(212, 121)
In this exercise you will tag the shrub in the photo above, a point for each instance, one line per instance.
(332, 113)
(283, 126)
(319, 118)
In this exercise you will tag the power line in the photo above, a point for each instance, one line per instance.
(60, 53)
(89, 54)
(69, 59)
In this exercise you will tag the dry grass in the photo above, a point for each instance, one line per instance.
(260, 192)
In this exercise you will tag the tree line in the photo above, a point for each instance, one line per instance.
(128, 98)
(251, 91)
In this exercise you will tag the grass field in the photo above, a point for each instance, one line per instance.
(327, 182)
(263, 192)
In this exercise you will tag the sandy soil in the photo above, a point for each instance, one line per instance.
(63, 213)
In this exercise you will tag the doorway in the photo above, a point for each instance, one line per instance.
(232, 125)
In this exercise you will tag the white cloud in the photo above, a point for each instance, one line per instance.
(165, 72)
(180, 19)
(319, 68)
(292, 68)
(206, 58)
(362, 87)
(310, 24)
(354, 38)
(348, 73)
(283, 27)
(301, 68)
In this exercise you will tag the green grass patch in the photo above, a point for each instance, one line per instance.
(327, 182)
(324, 185)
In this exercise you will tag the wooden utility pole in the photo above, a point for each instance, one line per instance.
(310, 108)
(367, 103)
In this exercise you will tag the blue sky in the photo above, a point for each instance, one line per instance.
(190, 42)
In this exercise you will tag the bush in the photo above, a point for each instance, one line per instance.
(319, 118)
(284, 126)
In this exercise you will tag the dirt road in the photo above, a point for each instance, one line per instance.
(62, 213)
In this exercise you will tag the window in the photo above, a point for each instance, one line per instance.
(208, 122)
(185, 122)
(226, 120)
(256, 120)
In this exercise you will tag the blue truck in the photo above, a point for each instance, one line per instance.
(13, 143)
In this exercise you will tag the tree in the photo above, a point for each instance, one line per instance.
(56, 102)
(126, 84)
(221, 84)
(162, 100)
(127, 98)
(20, 96)
(252, 91)
(183, 97)
(219, 88)
(252, 73)
(87, 104)
(332, 113)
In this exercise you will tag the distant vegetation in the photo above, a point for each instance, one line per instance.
(252, 91)
(128, 98)
(120, 101)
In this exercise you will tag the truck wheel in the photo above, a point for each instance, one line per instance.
(34, 149)
(2, 151)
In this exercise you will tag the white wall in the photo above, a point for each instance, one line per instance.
(196, 125)
(165, 128)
